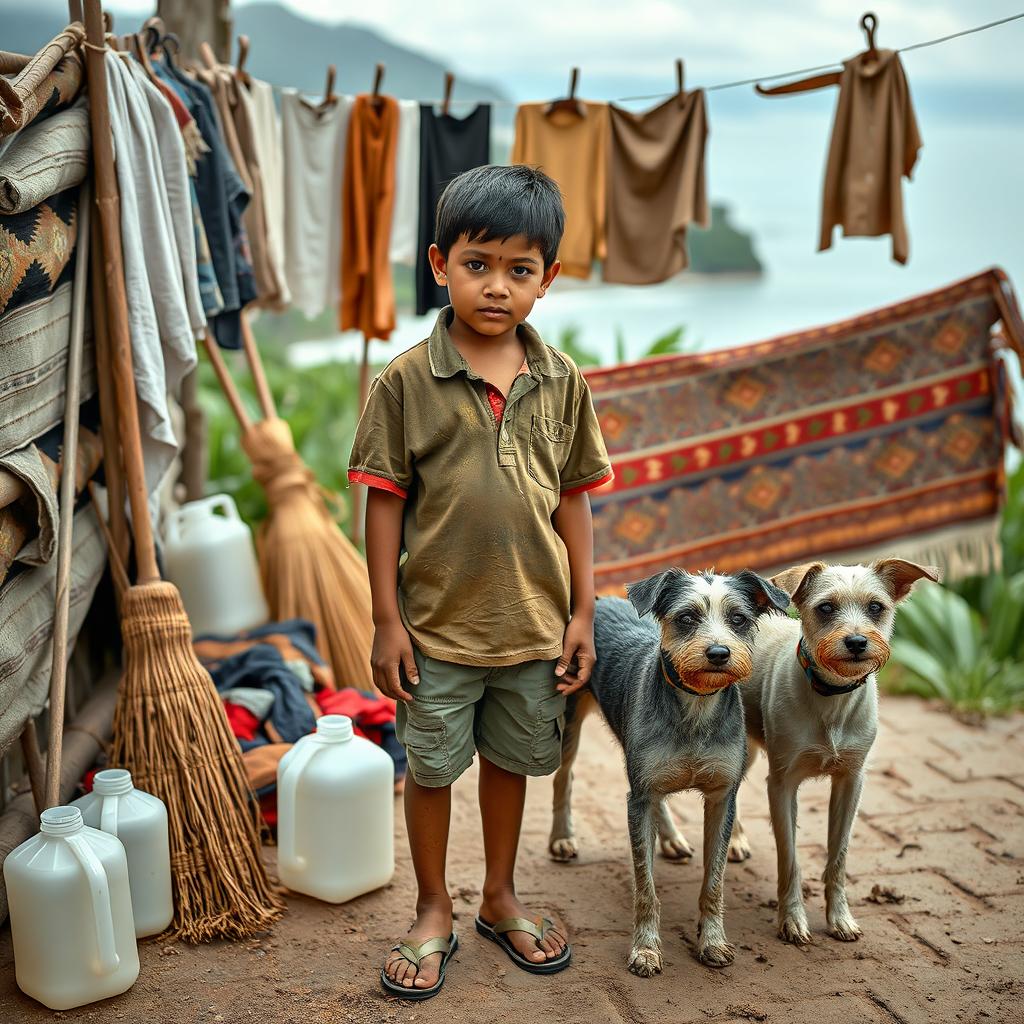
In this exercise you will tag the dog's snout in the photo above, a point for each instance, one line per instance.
(856, 644)
(718, 654)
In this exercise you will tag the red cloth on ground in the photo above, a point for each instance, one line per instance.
(366, 712)
(244, 724)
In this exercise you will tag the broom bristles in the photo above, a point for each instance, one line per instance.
(310, 570)
(171, 733)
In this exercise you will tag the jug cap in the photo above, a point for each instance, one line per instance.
(60, 821)
(112, 782)
(334, 728)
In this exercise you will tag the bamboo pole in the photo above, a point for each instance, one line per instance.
(72, 396)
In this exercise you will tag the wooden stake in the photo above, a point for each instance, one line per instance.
(358, 490)
(34, 764)
(72, 396)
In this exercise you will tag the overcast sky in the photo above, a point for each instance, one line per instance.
(523, 47)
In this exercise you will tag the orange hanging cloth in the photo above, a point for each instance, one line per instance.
(874, 144)
(367, 202)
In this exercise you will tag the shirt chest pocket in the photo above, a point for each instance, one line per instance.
(550, 441)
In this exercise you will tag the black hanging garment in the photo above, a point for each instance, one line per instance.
(448, 146)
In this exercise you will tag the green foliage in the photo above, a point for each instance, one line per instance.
(951, 651)
(569, 343)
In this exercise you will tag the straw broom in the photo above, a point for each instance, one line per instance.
(170, 730)
(310, 570)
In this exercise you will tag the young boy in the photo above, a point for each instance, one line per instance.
(478, 447)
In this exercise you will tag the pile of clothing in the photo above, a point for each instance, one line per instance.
(274, 686)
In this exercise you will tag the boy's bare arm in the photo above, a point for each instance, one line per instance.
(391, 644)
(573, 524)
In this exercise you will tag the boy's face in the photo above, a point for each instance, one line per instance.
(493, 285)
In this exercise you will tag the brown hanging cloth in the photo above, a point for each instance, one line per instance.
(656, 187)
(875, 142)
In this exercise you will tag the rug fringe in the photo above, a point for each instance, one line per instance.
(958, 551)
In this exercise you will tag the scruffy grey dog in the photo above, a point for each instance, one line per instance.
(664, 686)
(812, 705)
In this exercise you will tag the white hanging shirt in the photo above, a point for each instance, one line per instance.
(405, 220)
(314, 163)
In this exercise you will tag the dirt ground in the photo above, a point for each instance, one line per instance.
(941, 829)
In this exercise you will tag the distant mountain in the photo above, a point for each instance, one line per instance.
(290, 50)
(723, 248)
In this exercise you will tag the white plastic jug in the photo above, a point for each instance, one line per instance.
(211, 559)
(71, 913)
(335, 814)
(139, 820)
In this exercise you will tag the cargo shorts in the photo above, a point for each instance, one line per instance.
(512, 715)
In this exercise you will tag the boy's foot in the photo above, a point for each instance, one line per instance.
(498, 907)
(432, 920)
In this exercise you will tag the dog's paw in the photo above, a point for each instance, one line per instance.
(794, 929)
(716, 954)
(739, 849)
(644, 961)
(675, 848)
(564, 849)
(844, 928)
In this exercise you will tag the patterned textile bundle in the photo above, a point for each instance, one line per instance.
(42, 84)
(883, 433)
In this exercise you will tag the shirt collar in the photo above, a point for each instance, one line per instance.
(446, 360)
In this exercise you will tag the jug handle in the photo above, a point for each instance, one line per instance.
(108, 815)
(286, 798)
(226, 504)
(102, 912)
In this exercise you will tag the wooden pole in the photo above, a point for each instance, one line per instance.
(358, 490)
(34, 764)
(109, 208)
(113, 472)
(256, 368)
(227, 384)
(72, 397)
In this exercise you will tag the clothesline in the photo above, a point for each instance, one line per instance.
(760, 78)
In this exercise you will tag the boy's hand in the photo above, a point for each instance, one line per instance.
(578, 646)
(392, 649)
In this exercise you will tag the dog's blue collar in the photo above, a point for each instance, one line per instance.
(819, 685)
(672, 677)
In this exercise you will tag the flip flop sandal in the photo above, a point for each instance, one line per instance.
(415, 955)
(538, 928)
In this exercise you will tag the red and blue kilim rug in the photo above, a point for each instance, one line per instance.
(880, 434)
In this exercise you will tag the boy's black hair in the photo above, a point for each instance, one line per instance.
(498, 202)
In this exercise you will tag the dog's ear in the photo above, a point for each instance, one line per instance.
(899, 575)
(650, 595)
(766, 596)
(795, 581)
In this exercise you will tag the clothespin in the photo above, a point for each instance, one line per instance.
(243, 53)
(449, 82)
(679, 82)
(569, 102)
(206, 52)
(378, 77)
(329, 96)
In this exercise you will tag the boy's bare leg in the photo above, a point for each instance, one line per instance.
(502, 796)
(427, 815)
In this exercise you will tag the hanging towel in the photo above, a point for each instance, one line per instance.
(314, 153)
(574, 151)
(655, 188)
(874, 144)
(267, 137)
(448, 146)
(367, 203)
(405, 221)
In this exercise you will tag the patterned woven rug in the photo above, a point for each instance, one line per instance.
(878, 435)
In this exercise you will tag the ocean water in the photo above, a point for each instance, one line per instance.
(964, 210)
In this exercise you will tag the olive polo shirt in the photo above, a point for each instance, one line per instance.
(484, 579)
